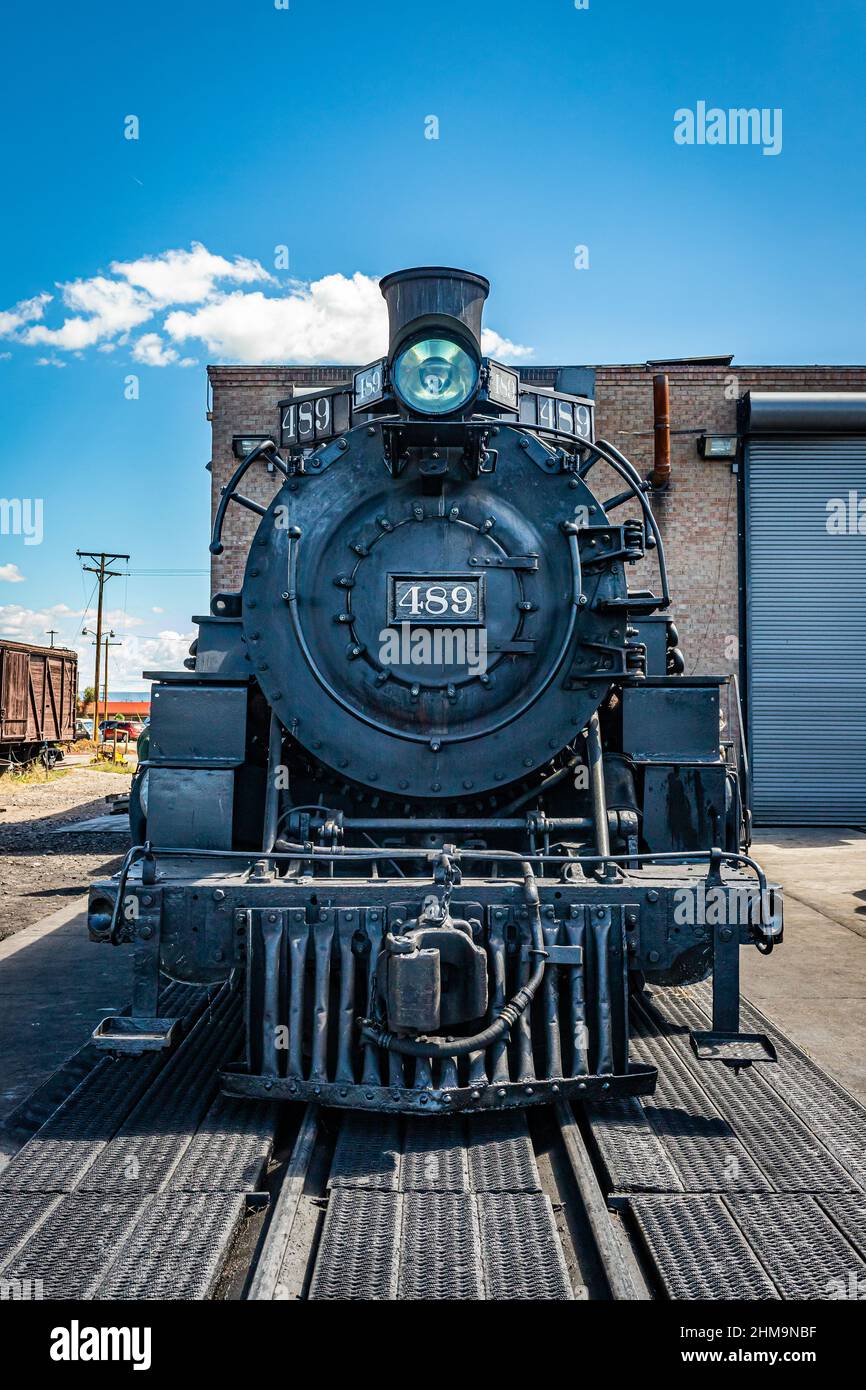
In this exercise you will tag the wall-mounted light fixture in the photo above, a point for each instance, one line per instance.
(717, 446)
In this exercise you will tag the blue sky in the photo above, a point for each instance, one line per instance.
(305, 128)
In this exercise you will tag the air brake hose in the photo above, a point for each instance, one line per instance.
(508, 1016)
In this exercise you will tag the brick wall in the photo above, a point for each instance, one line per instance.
(697, 517)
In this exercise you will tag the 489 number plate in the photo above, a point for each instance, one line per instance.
(455, 600)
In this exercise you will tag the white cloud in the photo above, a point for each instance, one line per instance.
(25, 312)
(153, 351)
(338, 318)
(335, 319)
(49, 362)
(10, 574)
(112, 307)
(157, 610)
(188, 277)
(165, 651)
(492, 345)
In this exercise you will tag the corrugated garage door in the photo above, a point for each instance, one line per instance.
(806, 606)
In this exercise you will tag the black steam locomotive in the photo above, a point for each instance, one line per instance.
(435, 787)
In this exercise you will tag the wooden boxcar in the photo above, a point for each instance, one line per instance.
(38, 688)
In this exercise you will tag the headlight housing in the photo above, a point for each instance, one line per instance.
(435, 376)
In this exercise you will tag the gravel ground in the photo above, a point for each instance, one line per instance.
(39, 872)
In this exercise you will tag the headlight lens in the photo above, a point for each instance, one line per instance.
(435, 376)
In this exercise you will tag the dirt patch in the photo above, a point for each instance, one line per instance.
(40, 871)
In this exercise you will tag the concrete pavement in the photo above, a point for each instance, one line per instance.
(55, 986)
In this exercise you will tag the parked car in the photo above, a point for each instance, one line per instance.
(127, 728)
(84, 728)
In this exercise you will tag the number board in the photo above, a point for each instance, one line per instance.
(436, 600)
(561, 413)
(368, 386)
(310, 419)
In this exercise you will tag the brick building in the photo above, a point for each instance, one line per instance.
(701, 516)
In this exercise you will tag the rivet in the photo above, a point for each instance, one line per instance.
(652, 895)
(475, 1095)
(147, 900)
(501, 1092)
(219, 894)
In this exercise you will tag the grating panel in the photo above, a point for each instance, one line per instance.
(802, 1250)
(834, 1116)
(848, 1212)
(521, 1251)
(500, 1154)
(79, 1237)
(783, 1143)
(358, 1254)
(367, 1153)
(176, 1249)
(697, 1135)
(440, 1250)
(229, 1151)
(17, 1216)
(62, 1151)
(632, 1153)
(434, 1156)
(157, 1132)
(698, 1251)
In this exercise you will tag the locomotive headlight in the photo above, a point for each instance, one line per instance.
(435, 376)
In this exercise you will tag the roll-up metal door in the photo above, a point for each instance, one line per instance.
(806, 619)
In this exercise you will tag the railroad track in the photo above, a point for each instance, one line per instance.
(497, 1206)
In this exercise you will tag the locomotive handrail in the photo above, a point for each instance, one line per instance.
(620, 464)
(351, 853)
(228, 493)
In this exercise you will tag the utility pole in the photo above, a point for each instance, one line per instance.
(101, 561)
(108, 644)
(52, 633)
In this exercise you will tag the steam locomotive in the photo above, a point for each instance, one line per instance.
(433, 785)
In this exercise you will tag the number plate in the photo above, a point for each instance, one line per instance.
(433, 600)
